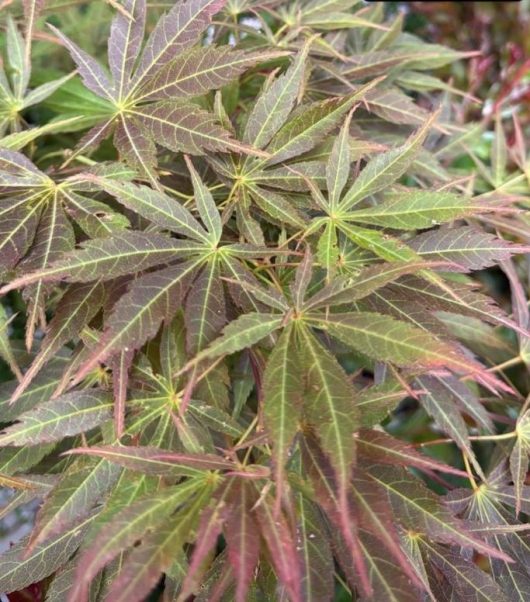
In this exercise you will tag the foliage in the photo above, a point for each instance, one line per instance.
(247, 266)
(500, 71)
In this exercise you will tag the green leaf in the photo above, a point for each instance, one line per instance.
(276, 206)
(338, 165)
(416, 210)
(328, 403)
(18, 140)
(72, 499)
(468, 247)
(244, 332)
(198, 71)
(19, 459)
(143, 567)
(520, 458)
(274, 104)
(282, 397)
(206, 205)
(314, 552)
(78, 307)
(328, 249)
(40, 390)
(73, 413)
(205, 312)
(127, 527)
(350, 289)
(309, 127)
(183, 127)
(386, 168)
(155, 206)
(6, 352)
(136, 317)
(17, 570)
(96, 219)
(107, 258)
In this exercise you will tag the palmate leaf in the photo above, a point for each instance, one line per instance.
(70, 414)
(338, 164)
(136, 317)
(247, 330)
(91, 72)
(484, 506)
(307, 128)
(96, 219)
(125, 41)
(163, 71)
(460, 299)
(205, 312)
(40, 390)
(205, 205)
(155, 206)
(344, 290)
(54, 237)
(16, 221)
(175, 31)
(259, 343)
(512, 577)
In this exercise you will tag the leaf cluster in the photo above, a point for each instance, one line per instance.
(247, 280)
